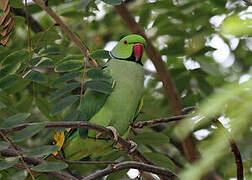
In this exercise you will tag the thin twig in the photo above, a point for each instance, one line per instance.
(127, 165)
(17, 153)
(235, 151)
(83, 48)
(157, 121)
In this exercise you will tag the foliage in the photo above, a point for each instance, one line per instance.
(45, 84)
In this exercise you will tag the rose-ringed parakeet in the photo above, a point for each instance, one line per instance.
(113, 98)
(123, 76)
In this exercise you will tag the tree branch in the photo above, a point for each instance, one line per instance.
(127, 165)
(235, 151)
(136, 155)
(83, 48)
(157, 121)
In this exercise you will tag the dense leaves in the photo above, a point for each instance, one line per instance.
(205, 45)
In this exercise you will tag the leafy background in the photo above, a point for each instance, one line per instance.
(206, 46)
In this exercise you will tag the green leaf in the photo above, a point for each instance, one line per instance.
(98, 74)
(83, 4)
(75, 15)
(16, 4)
(72, 57)
(63, 90)
(51, 50)
(66, 77)
(25, 104)
(117, 175)
(99, 86)
(8, 81)
(50, 166)
(35, 61)
(48, 38)
(46, 62)
(15, 120)
(41, 62)
(145, 14)
(40, 151)
(151, 138)
(43, 106)
(64, 103)
(3, 145)
(9, 69)
(17, 86)
(2, 105)
(209, 68)
(161, 160)
(236, 25)
(203, 51)
(16, 57)
(75, 116)
(68, 66)
(19, 175)
(36, 77)
(28, 132)
(8, 162)
(100, 54)
(112, 2)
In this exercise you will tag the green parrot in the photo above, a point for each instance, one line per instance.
(114, 105)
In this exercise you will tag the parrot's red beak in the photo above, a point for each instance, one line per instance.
(138, 51)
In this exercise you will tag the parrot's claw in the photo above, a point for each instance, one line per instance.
(133, 146)
(114, 131)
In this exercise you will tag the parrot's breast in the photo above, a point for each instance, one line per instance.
(121, 105)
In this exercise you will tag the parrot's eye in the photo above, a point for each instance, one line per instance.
(125, 42)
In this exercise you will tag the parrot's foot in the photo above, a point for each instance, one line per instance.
(133, 146)
(114, 131)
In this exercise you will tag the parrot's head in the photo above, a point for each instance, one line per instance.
(129, 48)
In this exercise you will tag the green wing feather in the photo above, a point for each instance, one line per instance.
(140, 105)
